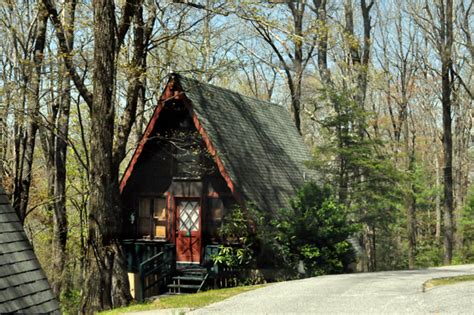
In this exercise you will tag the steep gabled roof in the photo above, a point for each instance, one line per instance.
(255, 143)
(23, 284)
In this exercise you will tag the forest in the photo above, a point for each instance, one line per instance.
(381, 91)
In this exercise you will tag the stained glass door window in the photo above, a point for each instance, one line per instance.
(189, 216)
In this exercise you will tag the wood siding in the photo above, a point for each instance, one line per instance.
(155, 175)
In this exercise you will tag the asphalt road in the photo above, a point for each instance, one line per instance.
(391, 292)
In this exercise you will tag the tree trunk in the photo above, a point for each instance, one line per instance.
(438, 203)
(1, 145)
(461, 162)
(106, 278)
(140, 124)
(141, 43)
(446, 66)
(410, 199)
(358, 61)
(22, 189)
(293, 71)
(297, 11)
(135, 87)
(60, 230)
(370, 247)
(321, 13)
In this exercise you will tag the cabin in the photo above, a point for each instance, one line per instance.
(205, 150)
(24, 287)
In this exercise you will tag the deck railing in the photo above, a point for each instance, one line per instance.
(155, 270)
(137, 251)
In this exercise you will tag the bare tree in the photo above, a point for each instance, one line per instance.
(105, 274)
(293, 50)
(23, 179)
(437, 22)
(399, 61)
(54, 139)
(445, 46)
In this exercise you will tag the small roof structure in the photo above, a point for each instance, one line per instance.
(24, 287)
(255, 143)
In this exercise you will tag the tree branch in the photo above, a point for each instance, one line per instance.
(66, 52)
(128, 11)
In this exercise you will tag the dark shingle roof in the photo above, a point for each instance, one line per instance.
(23, 284)
(257, 142)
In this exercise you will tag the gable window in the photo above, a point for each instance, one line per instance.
(152, 218)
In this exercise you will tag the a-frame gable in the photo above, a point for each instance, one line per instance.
(254, 143)
(168, 94)
(174, 91)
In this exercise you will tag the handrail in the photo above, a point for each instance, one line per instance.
(162, 263)
(150, 260)
(202, 282)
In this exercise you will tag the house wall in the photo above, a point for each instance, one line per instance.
(151, 177)
(154, 175)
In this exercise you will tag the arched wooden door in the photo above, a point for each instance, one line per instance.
(188, 230)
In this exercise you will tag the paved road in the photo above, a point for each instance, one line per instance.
(392, 292)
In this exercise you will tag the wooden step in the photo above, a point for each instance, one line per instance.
(184, 286)
(194, 275)
(194, 270)
(189, 278)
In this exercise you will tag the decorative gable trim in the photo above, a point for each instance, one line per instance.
(167, 95)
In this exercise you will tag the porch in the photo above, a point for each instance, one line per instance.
(152, 269)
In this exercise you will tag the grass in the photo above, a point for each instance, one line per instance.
(446, 281)
(191, 301)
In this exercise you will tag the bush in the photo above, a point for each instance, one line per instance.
(314, 233)
(429, 254)
(466, 253)
(71, 302)
(238, 248)
(308, 239)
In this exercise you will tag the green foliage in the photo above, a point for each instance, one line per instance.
(357, 165)
(429, 253)
(467, 228)
(234, 256)
(237, 252)
(313, 232)
(391, 248)
(363, 174)
(71, 302)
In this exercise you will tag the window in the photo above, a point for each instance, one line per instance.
(144, 216)
(159, 215)
(189, 216)
(214, 214)
(152, 218)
